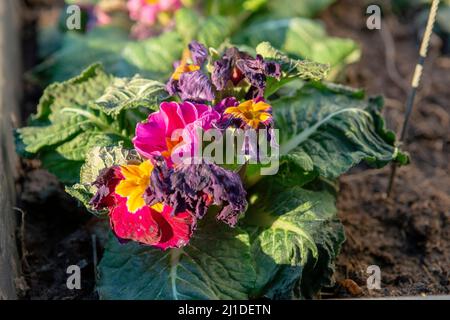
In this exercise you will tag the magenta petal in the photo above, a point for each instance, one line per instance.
(171, 113)
(150, 138)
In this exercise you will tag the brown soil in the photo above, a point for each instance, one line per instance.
(407, 236)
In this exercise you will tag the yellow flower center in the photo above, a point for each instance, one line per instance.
(250, 112)
(133, 186)
(171, 144)
(183, 68)
(151, 1)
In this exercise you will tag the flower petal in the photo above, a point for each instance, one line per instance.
(194, 188)
(195, 86)
(150, 227)
(199, 53)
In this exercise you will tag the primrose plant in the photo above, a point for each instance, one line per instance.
(219, 184)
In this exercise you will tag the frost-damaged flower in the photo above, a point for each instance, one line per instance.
(194, 188)
(155, 137)
(236, 66)
(226, 103)
(188, 80)
(121, 190)
(255, 113)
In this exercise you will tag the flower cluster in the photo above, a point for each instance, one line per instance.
(159, 200)
(146, 18)
(148, 13)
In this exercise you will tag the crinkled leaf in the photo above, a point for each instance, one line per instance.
(32, 139)
(77, 148)
(65, 160)
(334, 128)
(97, 159)
(67, 123)
(75, 93)
(303, 69)
(291, 68)
(304, 38)
(126, 93)
(286, 245)
(295, 235)
(62, 112)
(215, 265)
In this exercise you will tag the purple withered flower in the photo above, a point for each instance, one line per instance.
(106, 182)
(199, 53)
(226, 103)
(195, 86)
(225, 69)
(235, 66)
(188, 81)
(194, 188)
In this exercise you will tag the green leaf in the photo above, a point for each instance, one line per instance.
(75, 93)
(127, 93)
(77, 148)
(295, 8)
(153, 57)
(287, 243)
(62, 112)
(68, 124)
(214, 31)
(295, 235)
(231, 8)
(215, 265)
(80, 192)
(78, 51)
(30, 140)
(65, 161)
(100, 158)
(291, 68)
(187, 24)
(334, 128)
(304, 38)
(97, 159)
(295, 68)
(211, 31)
(67, 171)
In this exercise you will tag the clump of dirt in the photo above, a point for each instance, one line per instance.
(407, 235)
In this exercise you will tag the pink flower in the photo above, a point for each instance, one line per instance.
(147, 11)
(172, 131)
